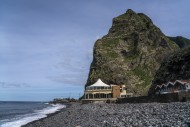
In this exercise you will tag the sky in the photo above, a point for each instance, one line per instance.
(46, 46)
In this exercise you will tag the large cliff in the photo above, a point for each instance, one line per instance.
(130, 53)
(182, 42)
(175, 67)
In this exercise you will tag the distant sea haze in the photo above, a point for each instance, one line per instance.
(16, 114)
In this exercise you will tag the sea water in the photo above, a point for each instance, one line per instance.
(16, 114)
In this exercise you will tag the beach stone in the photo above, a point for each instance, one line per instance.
(119, 115)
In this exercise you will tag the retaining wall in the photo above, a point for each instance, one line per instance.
(162, 98)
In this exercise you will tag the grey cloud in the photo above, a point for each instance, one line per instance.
(69, 80)
(13, 85)
(71, 77)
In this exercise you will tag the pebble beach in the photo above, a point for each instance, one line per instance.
(119, 115)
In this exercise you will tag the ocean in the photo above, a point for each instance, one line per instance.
(16, 114)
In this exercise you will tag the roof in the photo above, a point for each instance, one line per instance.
(183, 81)
(173, 83)
(99, 83)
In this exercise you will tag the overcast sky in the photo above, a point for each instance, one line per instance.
(46, 45)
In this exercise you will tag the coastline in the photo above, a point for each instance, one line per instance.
(118, 115)
(48, 115)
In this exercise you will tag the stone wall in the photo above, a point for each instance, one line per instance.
(184, 96)
(162, 98)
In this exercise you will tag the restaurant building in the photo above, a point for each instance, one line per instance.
(99, 91)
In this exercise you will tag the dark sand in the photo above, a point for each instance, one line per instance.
(119, 115)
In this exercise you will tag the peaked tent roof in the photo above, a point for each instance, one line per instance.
(99, 83)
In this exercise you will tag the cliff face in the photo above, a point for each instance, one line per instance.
(181, 41)
(175, 67)
(130, 53)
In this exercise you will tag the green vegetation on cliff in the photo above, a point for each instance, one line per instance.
(174, 67)
(180, 41)
(130, 53)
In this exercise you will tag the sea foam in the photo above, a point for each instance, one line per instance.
(24, 119)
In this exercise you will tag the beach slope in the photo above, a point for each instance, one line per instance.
(119, 115)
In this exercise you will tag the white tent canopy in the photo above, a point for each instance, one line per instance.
(99, 83)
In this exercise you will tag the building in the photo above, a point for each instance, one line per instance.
(173, 87)
(100, 91)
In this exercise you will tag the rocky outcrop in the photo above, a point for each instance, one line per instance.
(130, 53)
(175, 67)
(63, 100)
(182, 42)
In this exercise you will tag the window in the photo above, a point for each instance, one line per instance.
(90, 96)
(109, 95)
(86, 96)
